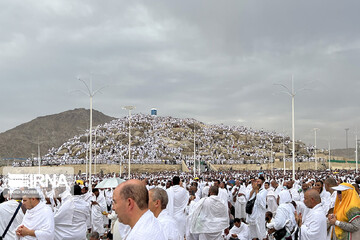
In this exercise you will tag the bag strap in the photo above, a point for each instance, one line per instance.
(12, 219)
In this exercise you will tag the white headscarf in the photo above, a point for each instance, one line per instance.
(285, 197)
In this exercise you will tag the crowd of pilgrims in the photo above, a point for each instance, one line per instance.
(157, 143)
(174, 205)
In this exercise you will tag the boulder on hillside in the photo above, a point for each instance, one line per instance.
(100, 139)
(135, 142)
(75, 150)
(177, 130)
(138, 134)
(120, 136)
(63, 151)
(84, 139)
(105, 148)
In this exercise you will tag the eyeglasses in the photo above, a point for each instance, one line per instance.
(339, 192)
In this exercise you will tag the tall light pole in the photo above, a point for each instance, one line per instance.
(38, 147)
(87, 157)
(347, 146)
(194, 153)
(315, 130)
(95, 147)
(129, 108)
(284, 159)
(292, 94)
(91, 94)
(120, 161)
(271, 154)
(39, 156)
(329, 155)
(356, 153)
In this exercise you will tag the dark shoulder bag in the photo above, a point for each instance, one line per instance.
(280, 234)
(11, 221)
(250, 205)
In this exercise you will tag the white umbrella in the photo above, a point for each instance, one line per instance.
(110, 183)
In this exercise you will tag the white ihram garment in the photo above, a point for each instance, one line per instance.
(314, 224)
(240, 203)
(285, 213)
(178, 199)
(256, 219)
(223, 195)
(271, 201)
(242, 232)
(97, 218)
(209, 218)
(41, 219)
(7, 210)
(169, 226)
(66, 219)
(146, 228)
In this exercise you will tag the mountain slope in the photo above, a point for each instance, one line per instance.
(50, 131)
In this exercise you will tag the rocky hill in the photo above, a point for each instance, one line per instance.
(344, 153)
(50, 131)
(159, 139)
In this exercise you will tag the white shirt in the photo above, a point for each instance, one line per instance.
(242, 232)
(210, 215)
(223, 195)
(169, 226)
(284, 217)
(325, 200)
(70, 221)
(41, 219)
(314, 225)
(7, 210)
(97, 218)
(146, 228)
(178, 200)
(256, 219)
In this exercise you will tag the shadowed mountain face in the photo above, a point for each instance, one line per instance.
(50, 131)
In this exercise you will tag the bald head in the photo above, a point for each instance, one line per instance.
(329, 183)
(136, 190)
(312, 198)
(159, 194)
(213, 190)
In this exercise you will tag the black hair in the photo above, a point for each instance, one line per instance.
(76, 189)
(176, 180)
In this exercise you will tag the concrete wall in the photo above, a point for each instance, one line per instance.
(166, 167)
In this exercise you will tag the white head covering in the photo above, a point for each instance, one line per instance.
(285, 197)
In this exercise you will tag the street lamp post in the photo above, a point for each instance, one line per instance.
(91, 94)
(129, 108)
(194, 152)
(315, 130)
(87, 157)
(39, 155)
(292, 94)
(271, 154)
(284, 159)
(120, 165)
(329, 156)
(356, 153)
(95, 147)
(347, 146)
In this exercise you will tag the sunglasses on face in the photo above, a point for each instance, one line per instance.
(339, 192)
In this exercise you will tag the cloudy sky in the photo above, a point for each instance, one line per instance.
(215, 61)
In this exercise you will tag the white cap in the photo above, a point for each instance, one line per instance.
(341, 188)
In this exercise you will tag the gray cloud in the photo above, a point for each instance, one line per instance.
(210, 60)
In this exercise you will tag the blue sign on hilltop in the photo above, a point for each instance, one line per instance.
(153, 112)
